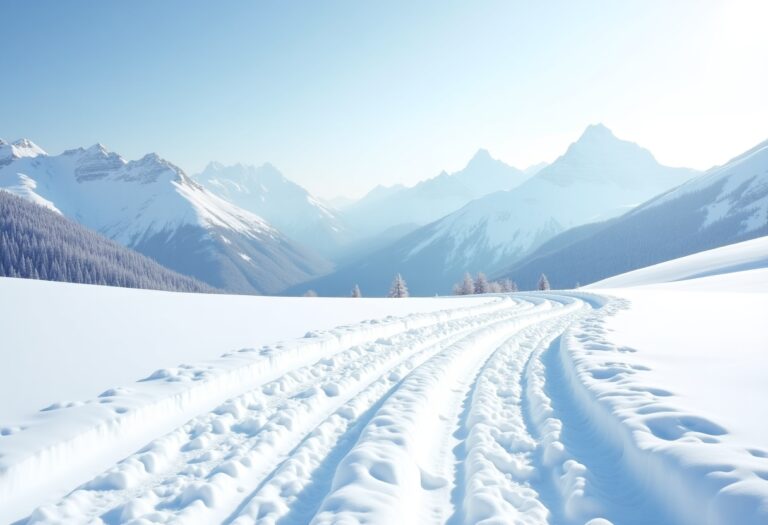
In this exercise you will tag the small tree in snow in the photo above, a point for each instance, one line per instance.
(508, 286)
(481, 283)
(310, 293)
(468, 285)
(399, 288)
(543, 282)
(495, 287)
(356, 292)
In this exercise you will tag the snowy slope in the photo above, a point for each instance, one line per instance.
(152, 206)
(736, 257)
(631, 406)
(286, 205)
(725, 205)
(38, 243)
(598, 177)
(427, 201)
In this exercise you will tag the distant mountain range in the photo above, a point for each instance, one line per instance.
(727, 204)
(599, 176)
(152, 206)
(385, 208)
(290, 208)
(605, 206)
(37, 243)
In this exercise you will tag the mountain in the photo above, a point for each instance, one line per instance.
(38, 243)
(387, 207)
(152, 206)
(725, 205)
(598, 177)
(286, 205)
(533, 169)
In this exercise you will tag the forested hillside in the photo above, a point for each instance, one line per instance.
(38, 243)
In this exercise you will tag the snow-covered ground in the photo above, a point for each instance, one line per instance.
(747, 255)
(621, 405)
(65, 342)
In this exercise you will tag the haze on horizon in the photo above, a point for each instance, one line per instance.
(344, 96)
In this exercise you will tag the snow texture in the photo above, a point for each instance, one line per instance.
(601, 406)
(152, 206)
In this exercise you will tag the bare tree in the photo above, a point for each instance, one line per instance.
(481, 283)
(543, 283)
(508, 285)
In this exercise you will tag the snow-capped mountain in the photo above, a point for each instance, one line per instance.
(154, 207)
(727, 204)
(17, 150)
(387, 207)
(599, 176)
(38, 243)
(289, 207)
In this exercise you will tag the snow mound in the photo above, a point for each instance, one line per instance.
(747, 255)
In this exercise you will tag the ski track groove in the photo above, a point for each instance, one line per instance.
(393, 441)
(467, 419)
(107, 507)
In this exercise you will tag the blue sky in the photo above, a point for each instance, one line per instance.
(342, 96)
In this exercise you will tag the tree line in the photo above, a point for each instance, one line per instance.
(467, 286)
(37, 243)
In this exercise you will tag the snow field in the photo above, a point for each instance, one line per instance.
(564, 408)
(683, 467)
(74, 442)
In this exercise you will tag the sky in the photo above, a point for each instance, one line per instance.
(344, 95)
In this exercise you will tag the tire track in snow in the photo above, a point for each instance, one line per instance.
(579, 474)
(296, 487)
(494, 463)
(208, 462)
(68, 444)
(385, 478)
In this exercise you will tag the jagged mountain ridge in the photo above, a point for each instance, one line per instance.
(725, 205)
(152, 206)
(598, 177)
(289, 207)
(385, 208)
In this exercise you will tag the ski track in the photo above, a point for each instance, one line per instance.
(465, 416)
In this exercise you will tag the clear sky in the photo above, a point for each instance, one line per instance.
(344, 95)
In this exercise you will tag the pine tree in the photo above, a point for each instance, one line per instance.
(543, 283)
(495, 287)
(356, 292)
(481, 283)
(399, 289)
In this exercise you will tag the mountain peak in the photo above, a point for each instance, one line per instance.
(596, 132)
(482, 156)
(97, 147)
(22, 148)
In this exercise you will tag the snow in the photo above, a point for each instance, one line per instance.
(743, 190)
(734, 257)
(121, 335)
(125, 200)
(599, 177)
(604, 406)
(265, 192)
